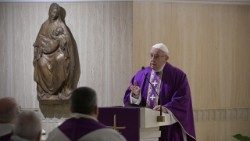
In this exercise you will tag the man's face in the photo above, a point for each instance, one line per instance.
(157, 59)
(54, 13)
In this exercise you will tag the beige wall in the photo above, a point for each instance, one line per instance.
(210, 42)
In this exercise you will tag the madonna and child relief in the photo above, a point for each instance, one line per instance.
(56, 60)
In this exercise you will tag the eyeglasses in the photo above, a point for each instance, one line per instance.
(156, 56)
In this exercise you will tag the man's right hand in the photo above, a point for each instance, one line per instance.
(135, 90)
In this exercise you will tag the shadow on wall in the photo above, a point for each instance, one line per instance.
(241, 138)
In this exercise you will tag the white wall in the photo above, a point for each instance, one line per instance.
(103, 33)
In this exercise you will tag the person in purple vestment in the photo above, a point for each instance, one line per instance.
(8, 111)
(83, 125)
(163, 84)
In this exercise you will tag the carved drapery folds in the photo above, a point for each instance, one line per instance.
(56, 60)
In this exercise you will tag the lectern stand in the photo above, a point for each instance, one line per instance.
(136, 124)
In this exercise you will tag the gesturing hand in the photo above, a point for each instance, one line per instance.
(135, 89)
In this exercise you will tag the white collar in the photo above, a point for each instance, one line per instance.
(161, 69)
(79, 115)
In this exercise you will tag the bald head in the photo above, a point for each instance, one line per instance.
(8, 110)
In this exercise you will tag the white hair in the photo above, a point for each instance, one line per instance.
(162, 47)
(28, 125)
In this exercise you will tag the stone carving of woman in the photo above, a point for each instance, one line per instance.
(56, 60)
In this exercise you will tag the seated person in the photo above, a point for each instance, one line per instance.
(27, 127)
(8, 112)
(83, 125)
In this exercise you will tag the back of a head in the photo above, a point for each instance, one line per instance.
(83, 100)
(28, 126)
(8, 109)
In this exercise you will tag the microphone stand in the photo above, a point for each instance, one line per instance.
(160, 118)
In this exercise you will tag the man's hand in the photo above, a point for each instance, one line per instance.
(157, 108)
(136, 90)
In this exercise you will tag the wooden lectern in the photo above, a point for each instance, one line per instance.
(135, 124)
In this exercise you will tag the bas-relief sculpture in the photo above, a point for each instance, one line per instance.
(56, 60)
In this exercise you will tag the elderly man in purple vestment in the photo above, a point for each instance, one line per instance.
(163, 84)
(8, 111)
(83, 125)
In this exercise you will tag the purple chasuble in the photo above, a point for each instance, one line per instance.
(75, 128)
(175, 95)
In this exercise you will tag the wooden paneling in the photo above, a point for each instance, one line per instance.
(221, 124)
(210, 42)
(221, 130)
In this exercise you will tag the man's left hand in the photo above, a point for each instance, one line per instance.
(157, 108)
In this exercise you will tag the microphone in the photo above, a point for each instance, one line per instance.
(160, 118)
